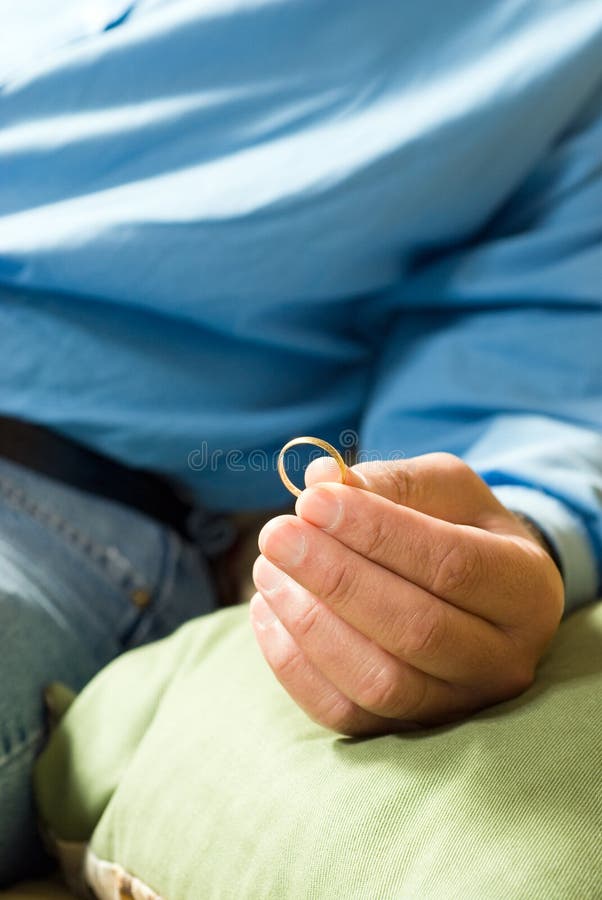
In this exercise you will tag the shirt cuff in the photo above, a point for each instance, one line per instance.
(565, 532)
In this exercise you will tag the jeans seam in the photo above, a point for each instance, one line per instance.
(170, 555)
(15, 751)
(101, 555)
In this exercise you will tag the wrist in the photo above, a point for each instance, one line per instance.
(541, 539)
(565, 530)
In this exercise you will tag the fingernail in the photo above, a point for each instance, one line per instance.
(266, 576)
(261, 612)
(283, 542)
(321, 507)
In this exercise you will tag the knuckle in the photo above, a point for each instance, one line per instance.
(306, 620)
(548, 592)
(339, 585)
(518, 678)
(400, 483)
(289, 664)
(413, 702)
(424, 634)
(377, 535)
(451, 462)
(404, 486)
(378, 691)
(458, 472)
(453, 466)
(340, 716)
(458, 571)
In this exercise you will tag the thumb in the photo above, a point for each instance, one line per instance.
(437, 484)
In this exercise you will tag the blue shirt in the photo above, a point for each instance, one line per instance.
(223, 224)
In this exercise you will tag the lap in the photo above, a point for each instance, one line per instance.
(200, 747)
(37, 647)
(72, 571)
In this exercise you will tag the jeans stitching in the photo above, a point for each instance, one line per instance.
(33, 739)
(100, 554)
(170, 555)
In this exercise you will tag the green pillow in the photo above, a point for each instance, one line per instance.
(187, 765)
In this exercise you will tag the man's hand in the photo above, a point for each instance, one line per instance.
(407, 596)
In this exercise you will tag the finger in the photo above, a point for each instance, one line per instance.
(372, 678)
(401, 617)
(324, 468)
(318, 697)
(438, 484)
(454, 562)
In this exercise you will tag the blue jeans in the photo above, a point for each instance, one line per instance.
(81, 580)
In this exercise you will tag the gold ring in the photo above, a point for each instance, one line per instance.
(323, 445)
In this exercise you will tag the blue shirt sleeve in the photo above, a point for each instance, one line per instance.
(505, 367)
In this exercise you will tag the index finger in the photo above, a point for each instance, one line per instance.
(466, 566)
(438, 484)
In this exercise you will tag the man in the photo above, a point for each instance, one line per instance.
(226, 224)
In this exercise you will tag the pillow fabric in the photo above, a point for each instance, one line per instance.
(191, 772)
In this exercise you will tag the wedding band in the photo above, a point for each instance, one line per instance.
(323, 445)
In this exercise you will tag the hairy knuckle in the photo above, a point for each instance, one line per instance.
(457, 571)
